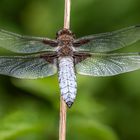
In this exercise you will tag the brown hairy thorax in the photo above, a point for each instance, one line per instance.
(65, 40)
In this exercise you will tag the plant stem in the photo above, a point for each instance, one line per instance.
(62, 122)
(63, 107)
(67, 14)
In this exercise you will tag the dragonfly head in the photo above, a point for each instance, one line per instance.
(64, 31)
(65, 34)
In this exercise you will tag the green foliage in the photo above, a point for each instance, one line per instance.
(105, 108)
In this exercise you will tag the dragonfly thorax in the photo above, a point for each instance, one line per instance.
(65, 40)
(65, 50)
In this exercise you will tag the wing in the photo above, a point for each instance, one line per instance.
(108, 64)
(106, 42)
(28, 67)
(25, 44)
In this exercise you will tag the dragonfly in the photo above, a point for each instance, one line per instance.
(92, 55)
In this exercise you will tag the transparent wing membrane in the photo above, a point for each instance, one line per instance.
(108, 64)
(110, 41)
(91, 61)
(24, 44)
(28, 67)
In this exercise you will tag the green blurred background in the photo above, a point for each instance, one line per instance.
(105, 108)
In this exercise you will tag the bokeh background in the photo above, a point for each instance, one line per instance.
(105, 109)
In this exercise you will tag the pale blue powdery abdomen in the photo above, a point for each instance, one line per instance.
(67, 80)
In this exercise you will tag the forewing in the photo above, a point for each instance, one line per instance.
(108, 64)
(25, 44)
(106, 42)
(28, 67)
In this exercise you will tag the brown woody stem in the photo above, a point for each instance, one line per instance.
(63, 106)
